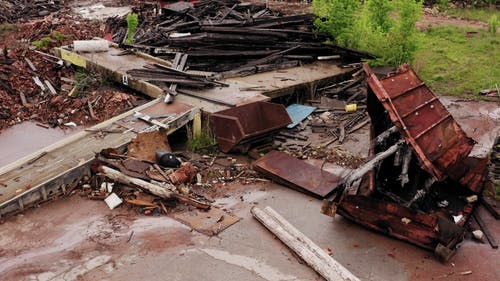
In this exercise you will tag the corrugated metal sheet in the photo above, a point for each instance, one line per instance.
(438, 140)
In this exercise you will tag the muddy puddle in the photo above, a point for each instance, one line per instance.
(23, 139)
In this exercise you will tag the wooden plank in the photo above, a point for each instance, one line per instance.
(25, 181)
(486, 231)
(263, 86)
(311, 253)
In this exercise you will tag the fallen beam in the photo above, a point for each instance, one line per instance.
(160, 191)
(311, 253)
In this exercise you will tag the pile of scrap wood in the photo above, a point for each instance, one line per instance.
(231, 38)
(36, 85)
(420, 184)
(146, 176)
(15, 10)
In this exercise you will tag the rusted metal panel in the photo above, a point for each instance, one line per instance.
(440, 144)
(247, 122)
(298, 174)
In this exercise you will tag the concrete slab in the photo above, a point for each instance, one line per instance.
(75, 239)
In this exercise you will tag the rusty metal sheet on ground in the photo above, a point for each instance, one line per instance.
(426, 125)
(298, 174)
(210, 222)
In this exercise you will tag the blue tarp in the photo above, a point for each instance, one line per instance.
(298, 112)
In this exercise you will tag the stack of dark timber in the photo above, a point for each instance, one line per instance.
(14, 10)
(231, 38)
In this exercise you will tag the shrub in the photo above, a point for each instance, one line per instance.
(493, 24)
(336, 17)
(132, 24)
(383, 27)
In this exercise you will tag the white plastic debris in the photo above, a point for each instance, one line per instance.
(457, 218)
(70, 124)
(478, 234)
(93, 46)
(471, 199)
(405, 220)
(107, 187)
(113, 201)
(443, 204)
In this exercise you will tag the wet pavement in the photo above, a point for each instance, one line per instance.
(80, 239)
(26, 138)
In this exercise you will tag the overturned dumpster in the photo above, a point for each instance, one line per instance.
(420, 183)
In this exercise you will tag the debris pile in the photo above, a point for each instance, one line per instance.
(231, 38)
(35, 85)
(154, 180)
(420, 184)
(15, 10)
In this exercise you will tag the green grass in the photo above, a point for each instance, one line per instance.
(452, 63)
(479, 14)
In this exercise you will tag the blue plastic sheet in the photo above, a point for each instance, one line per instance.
(298, 112)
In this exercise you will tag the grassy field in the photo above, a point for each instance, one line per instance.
(453, 62)
(479, 14)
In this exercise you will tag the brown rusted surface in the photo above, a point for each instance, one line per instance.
(440, 144)
(297, 174)
(185, 174)
(248, 122)
(210, 222)
(145, 145)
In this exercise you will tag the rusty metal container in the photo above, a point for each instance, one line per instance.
(248, 123)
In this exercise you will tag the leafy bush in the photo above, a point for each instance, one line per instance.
(132, 24)
(336, 17)
(383, 27)
(493, 24)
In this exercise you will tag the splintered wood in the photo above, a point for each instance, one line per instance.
(313, 255)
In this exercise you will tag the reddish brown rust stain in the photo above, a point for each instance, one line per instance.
(439, 142)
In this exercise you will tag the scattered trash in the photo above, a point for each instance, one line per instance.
(167, 159)
(298, 113)
(478, 234)
(113, 201)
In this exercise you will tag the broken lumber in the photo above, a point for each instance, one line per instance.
(311, 253)
(163, 192)
(361, 171)
(486, 231)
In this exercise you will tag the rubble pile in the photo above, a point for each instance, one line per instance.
(155, 181)
(35, 85)
(231, 38)
(15, 10)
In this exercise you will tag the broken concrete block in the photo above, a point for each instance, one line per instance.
(113, 201)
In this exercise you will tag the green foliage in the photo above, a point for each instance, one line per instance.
(57, 36)
(479, 14)
(204, 143)
(86, 81)
(44, 42)
(336, 17)
(454, 63)
(132, 24)
(387, 29)
(379, 12)
(47, 40)
(442, 5)
(493, 24)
